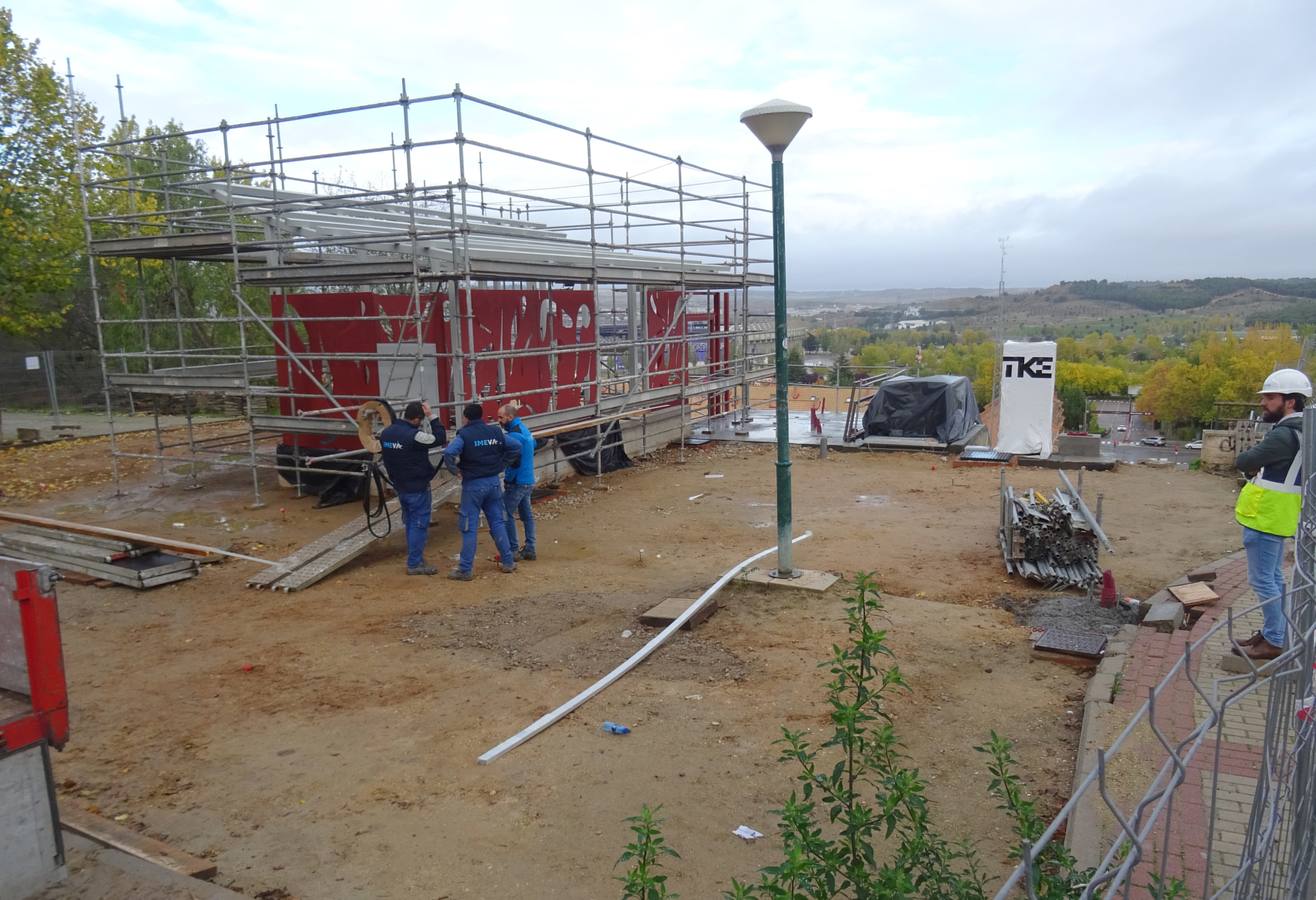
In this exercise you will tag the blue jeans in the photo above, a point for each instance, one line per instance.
(416, 517)
(1265, 572)
(482, 495)
(516, 500)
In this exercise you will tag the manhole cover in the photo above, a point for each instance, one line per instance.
(1076, 643)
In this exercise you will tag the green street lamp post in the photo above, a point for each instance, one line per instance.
(775, 124)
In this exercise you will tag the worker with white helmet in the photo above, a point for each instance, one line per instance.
(1269, 504)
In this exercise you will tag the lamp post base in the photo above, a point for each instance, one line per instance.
(799, 579)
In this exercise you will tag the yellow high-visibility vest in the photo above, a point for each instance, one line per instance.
(1272, 506)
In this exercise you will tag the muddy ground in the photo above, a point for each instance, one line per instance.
(323, 743)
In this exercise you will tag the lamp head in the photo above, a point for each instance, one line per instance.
(776, 123)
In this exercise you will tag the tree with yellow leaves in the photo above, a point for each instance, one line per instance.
(41, 236)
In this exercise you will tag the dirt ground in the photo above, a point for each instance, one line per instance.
(323, 743)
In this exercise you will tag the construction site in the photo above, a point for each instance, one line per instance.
(255, 698)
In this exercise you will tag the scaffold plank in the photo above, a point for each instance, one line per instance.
(334, 550)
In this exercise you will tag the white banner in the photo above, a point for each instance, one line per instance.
(1028, 386)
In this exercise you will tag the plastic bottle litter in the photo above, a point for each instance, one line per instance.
(614, 728)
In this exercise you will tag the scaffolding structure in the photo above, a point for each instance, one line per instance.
(435, 265)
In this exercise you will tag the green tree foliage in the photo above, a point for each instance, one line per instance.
(795, 366)
(41, 235)
(1158, 296)
(1216, 367)
(1091, 378)
(1075, 405)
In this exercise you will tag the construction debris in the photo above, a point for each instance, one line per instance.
(670, 610)
(1193, 594)
(130, 563)
(1048, 540)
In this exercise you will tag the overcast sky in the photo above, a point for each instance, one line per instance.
(1119, 139)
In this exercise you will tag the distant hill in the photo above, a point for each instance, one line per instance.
(1253, 300)
(877, 298)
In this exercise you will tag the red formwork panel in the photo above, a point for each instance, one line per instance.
(666, 327)
(559, 324)
(670, 329)
(552, 333)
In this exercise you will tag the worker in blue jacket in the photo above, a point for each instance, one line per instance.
(519, 482)
(479, 454)
(406, 451)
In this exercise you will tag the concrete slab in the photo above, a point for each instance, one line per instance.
(808, 580)
(1167, 616)
(669, 610)
(1237, 665)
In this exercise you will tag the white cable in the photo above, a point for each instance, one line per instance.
(655, 642)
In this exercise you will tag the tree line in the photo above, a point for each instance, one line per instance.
(45, 289)
(1181, 376)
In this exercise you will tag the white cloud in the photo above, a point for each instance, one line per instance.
(1105, 137)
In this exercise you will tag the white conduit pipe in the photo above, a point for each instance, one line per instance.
(655, 642)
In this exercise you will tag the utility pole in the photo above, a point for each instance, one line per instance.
(1000, 324)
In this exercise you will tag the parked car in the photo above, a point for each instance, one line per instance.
(1193, 445)
(1154, 441)
(1121, 428)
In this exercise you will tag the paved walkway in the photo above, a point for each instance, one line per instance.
(1209, 813)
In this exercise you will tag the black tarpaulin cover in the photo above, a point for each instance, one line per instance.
(580, 446)
(936, 406)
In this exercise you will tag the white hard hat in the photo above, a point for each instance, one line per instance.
(1286, 381)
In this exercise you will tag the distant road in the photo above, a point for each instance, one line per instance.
(1124, 444)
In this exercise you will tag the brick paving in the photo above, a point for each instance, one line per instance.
(1221, 804)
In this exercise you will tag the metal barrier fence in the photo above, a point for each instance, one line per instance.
(51, 380)
(1231, 808)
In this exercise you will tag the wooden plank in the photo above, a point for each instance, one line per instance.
(112, 834)
(670, 610)
(98, 531)
(1195, 593)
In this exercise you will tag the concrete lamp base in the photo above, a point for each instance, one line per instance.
(801, 579)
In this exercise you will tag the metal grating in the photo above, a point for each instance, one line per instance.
(1075, 643)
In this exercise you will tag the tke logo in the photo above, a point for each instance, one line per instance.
(1028, 366)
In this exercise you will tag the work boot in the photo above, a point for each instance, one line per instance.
(459, 575)
(422, 569)
(1243, 645)
(1263, 650)
(528, 555)
(507, 567)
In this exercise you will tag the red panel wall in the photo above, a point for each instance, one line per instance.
(560, 325)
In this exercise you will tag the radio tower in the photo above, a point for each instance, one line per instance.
(1000, 322)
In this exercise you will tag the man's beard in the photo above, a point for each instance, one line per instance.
(1272, 417)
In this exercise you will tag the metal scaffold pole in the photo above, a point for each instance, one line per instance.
(307, 240)
(93, 283)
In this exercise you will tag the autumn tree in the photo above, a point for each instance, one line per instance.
(41, 238)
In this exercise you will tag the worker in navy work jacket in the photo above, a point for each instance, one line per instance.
(479, 454)
(519, 482)
(406, 451)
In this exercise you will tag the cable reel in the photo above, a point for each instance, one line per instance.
(372, 417)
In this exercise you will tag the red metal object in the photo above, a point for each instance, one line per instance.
(559, 324)
(49, 718)
(552, 333)
(1108, 595)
